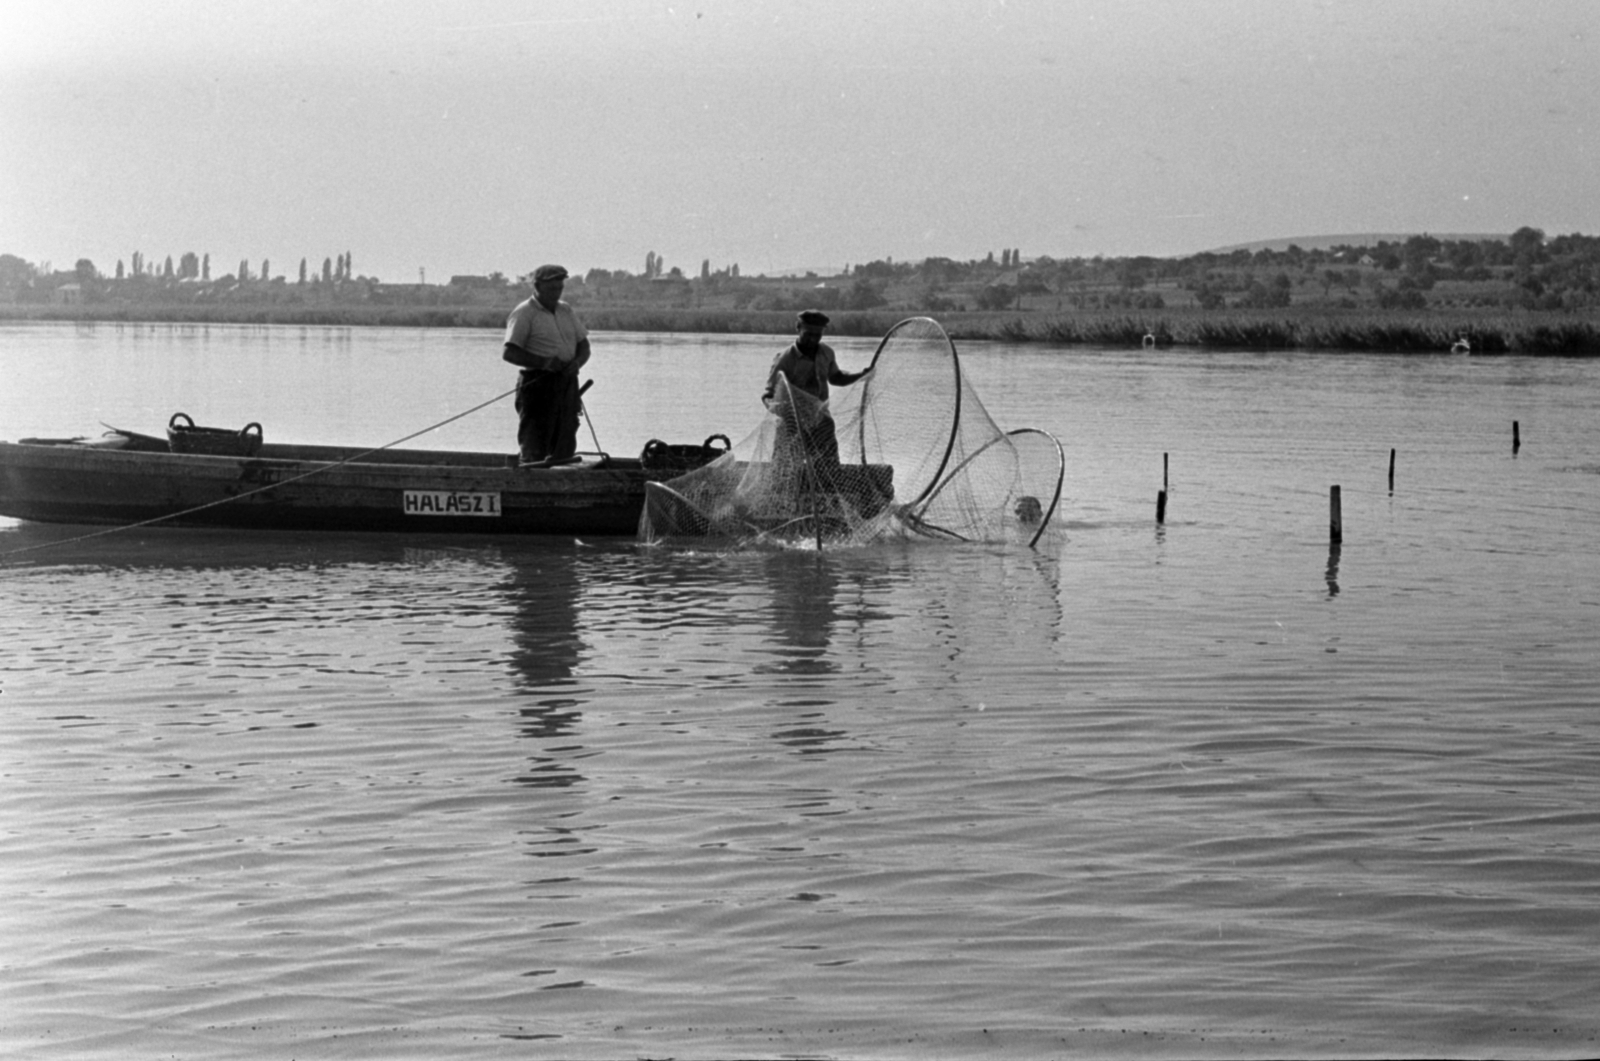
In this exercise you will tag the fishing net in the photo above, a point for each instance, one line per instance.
(907, 452)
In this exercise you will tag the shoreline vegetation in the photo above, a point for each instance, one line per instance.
(1393, 331)
(1521, 294)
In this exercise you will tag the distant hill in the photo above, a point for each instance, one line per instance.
(1358, 239)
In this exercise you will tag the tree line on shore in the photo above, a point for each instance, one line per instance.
(1525, 270)
(1439, 284)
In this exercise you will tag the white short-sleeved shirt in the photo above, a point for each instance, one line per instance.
(539, 331)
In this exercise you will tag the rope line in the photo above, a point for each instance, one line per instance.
(260, 489)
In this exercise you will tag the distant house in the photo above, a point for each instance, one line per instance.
(417, 292)
(472, 281)
(68, 295)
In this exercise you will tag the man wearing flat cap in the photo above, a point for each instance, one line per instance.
(809, 366)
(547, 341)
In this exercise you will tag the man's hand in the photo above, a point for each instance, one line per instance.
(524, 358)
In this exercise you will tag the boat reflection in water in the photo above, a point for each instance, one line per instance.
(541, 589)
(803, 589)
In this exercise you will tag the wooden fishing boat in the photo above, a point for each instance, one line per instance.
(131, 478)
(190, 479)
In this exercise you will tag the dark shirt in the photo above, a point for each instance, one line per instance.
(811, 374)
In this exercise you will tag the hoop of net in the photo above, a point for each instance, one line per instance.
(922, 361)
(1015, 463)
(1049, 511)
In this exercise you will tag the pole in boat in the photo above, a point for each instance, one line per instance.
(810, 472)
(584, 409)
(1335, 516)
(1391, 469)
(808, 466)
(1516, 437)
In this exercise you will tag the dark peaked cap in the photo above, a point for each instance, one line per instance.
(812, 316)
(549, 272)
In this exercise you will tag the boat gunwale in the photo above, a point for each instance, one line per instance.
(313, 458)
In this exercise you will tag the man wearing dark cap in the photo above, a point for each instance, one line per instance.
(810, 366)
(547, 341)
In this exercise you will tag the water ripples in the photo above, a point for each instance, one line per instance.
(1210, 788)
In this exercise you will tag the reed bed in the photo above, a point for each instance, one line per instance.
(1403, 332)
(1400, 331)
(331, 316)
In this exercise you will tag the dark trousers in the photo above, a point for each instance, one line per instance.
(822, 444)
(547, 411)
(813, 445)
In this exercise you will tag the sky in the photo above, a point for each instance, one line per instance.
(428, 138)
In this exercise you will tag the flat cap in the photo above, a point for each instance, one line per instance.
(812, 316)
(549, 272)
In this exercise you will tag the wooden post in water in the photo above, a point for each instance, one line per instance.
(1161, 496)
(1391, 469)
(1335, 517)
(1516, 437)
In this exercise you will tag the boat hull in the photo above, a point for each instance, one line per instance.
(320, 488)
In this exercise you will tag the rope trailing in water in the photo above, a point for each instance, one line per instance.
(260, 489)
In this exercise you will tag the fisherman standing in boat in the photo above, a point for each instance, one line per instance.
(547, 341)
(810, 366)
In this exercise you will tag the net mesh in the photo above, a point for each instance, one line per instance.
(908, 452)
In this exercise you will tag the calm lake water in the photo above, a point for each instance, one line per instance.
(1212, 788)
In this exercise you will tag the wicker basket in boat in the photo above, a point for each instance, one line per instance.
(663, 456)
(184, 437)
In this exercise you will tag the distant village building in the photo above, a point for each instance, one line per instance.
(68, 295)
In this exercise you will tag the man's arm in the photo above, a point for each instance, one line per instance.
(525, 358)
(837, 376)
(778, 365)
(579, 359)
